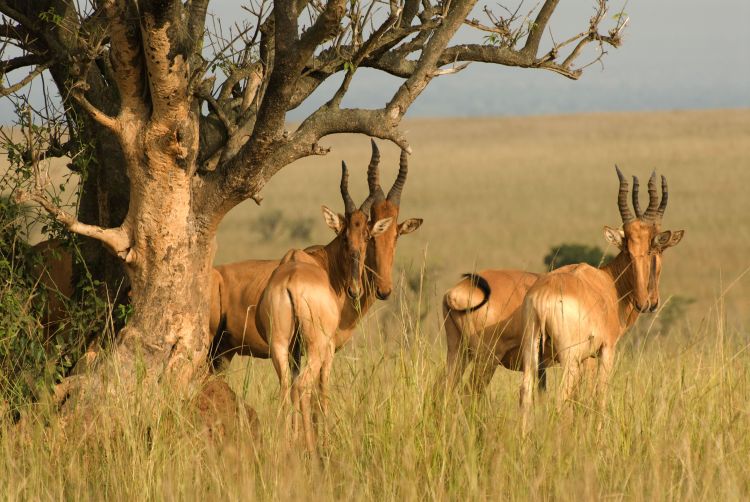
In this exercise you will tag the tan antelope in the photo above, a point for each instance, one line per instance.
(579, 312)
(484, 326)
(237, 287)
(304, 303)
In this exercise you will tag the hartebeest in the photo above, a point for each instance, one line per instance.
(303, 304)
(579, 312)
(54, 271)
(237, 287)
(483, 324)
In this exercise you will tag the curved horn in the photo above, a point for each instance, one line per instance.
(653, 199)
(622, 198)
(349, 206)
(636, 202)
(373, 173)
(664, 197)
(367, 204)
(394, 195)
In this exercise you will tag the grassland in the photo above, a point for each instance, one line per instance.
(499, 192)
(493, 193)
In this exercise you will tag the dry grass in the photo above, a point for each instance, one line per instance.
(494, 193)
(499, 192)
(675, 428)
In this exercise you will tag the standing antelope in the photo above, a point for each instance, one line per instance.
(579, 312)
(237, 287)
(305, 301)
(484, 326)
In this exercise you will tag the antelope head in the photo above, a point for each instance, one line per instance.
(642, 240)
(387, 207)
(355, 228)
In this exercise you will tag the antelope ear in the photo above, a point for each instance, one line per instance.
(667, 239)
(410, 225)
(381, 226)
(333, 220)
(614, 236)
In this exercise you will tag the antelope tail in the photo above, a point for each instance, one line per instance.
(296, 344)
(458, 299)
(217, 349)
(535, 335)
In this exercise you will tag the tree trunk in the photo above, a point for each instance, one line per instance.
(169, 277)
(170, 258)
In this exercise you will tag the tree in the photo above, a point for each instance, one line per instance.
(183, 124)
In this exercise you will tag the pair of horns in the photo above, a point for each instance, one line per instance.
(373, 176)
(373, 181)
(655, 209)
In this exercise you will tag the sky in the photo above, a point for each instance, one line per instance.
(676, 54)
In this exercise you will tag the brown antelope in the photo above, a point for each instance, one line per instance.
(304, 302)
(54, 270)
(579, 312)
(237, 287)
(484, 326)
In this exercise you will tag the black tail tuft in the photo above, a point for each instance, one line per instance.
(217, 350)
(542, 369)
(480, 283)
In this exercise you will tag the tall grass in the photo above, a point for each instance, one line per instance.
(675, 427)
(676, 421)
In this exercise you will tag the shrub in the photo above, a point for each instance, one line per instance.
(673, 312)
(569, 254)
(34, 357)
(301, 228)
(268, 224)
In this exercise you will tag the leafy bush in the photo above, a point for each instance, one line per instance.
(269, 223)
(301, 228)
(569, 254)
(272, 224)
(673, 312)
(34, 356)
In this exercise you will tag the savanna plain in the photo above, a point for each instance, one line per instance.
(494, 193)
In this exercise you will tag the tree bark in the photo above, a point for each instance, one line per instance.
(169, 274)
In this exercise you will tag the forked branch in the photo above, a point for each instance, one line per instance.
(117, 239)
(5, 91)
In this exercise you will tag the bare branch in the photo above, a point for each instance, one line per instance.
(21, 62)
(117, 239)
(99, 116)
(197, 20)
(429, 60)
(4, 91)
(537, 29)
(15, 14)
(362, 53)
(324, 28)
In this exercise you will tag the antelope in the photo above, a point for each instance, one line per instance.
(579, 312)
(305, 301)
(237, 287)
(54, 270)
(484, 326)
